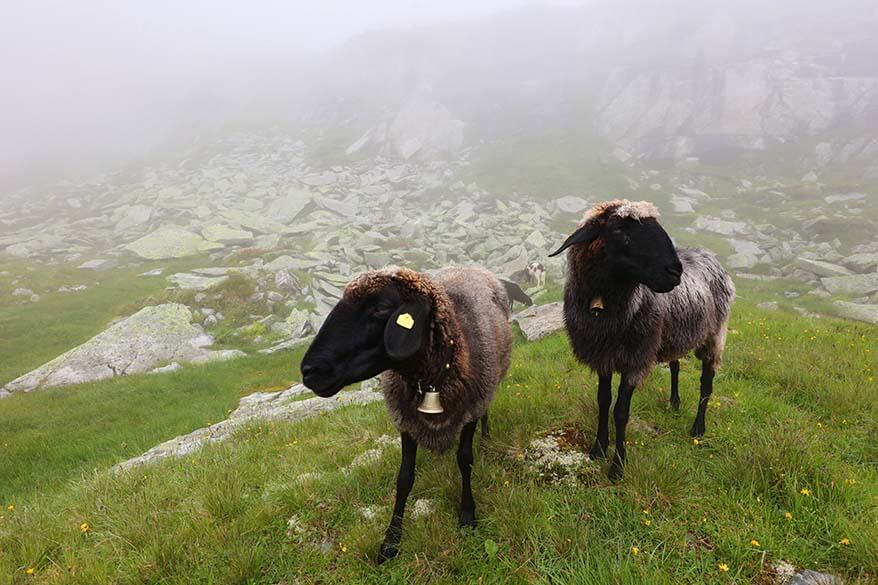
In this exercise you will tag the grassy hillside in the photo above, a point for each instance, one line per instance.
(34, 333)
(789, 462)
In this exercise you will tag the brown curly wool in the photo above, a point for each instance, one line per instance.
(469, 331)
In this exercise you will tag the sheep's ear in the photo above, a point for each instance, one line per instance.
(404, 332)
(584, 235)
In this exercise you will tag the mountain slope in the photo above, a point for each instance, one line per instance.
(788, 462)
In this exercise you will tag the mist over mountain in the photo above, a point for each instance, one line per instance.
(680, 79)
(664, 81)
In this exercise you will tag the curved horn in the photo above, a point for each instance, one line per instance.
(584, 235)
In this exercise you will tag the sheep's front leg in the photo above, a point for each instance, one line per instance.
(465, 463)
(485, 430)
(605, 397)
(675, 384)
(620, 414)
(707, 373)
(404, 482)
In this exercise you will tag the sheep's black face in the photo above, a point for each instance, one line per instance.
(361, 338)
(641, 250)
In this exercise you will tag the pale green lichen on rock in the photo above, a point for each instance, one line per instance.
(170, 242)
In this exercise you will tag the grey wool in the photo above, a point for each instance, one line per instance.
(639, 327)
(632, 298)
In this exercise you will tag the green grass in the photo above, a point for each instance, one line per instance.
(34, 333)
(57, 434)
(795, 408)
(546, 164)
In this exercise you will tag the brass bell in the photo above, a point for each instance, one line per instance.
(431, 403)
(596, 306)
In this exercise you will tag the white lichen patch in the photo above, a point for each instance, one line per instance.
(370, 512)
(421, 508)
(295, 529)
(367, 458)
(374, 455)
(552, 462)
(385, 441)
(308, 477)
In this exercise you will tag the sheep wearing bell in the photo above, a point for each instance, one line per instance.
(443, 342)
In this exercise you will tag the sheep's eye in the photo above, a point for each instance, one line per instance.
(381, 312)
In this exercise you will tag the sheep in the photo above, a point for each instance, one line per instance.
(536, 273)
(632, 299)
(515, 294)
(448, 332)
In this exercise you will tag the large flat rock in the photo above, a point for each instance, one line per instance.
(821, 268)
(139, 343)
(540, 320)
(857, 284)
(857, 312)
(170, 242)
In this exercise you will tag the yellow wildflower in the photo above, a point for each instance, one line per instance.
(754, 542)
(29, 570)
(723, 567)
(695, 441)
(634, 550)
(788, 515)
(844, 541)
(84, 527)
(805, 492)
(647, 521)
(850, 481)
(10, 507)
(506, 483)
(344, 548)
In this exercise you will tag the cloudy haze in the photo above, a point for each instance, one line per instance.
(89, 85)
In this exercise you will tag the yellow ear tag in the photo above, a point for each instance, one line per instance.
(406, 321)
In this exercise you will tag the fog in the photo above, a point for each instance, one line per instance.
(91, 83)
(94, 85)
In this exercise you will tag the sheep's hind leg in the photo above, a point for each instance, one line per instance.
(708, 370)
(404, 482)
(620, 414)
(485, 430)
(465, 463)
(605, 397)
(675, 384)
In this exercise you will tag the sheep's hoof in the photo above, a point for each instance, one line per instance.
(675, 405)
(597, 451)
(615, 472)
(467, 518)
(697, 430)
(388, 551)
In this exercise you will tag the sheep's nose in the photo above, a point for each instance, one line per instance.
(675, 270)
(310, 371)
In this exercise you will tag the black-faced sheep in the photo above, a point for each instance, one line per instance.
(632, 299)
(448, 332)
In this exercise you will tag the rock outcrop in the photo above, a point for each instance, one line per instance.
(152, 336)
(286, 405)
